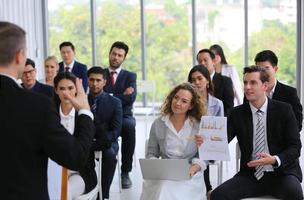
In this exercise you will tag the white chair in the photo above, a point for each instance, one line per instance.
(92, 195)
(237, 158)
(146, 87)
(219, 165)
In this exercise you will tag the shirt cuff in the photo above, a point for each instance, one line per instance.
(200, 162)
(86, 112)
(278, 161)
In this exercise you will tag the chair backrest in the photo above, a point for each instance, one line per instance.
(147, 86)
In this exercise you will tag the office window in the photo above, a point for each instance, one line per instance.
(70, 21)
(272, 25)
(119, 21)
(169, 43)
(222, 22)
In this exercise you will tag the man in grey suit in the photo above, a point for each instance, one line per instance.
(30, 126)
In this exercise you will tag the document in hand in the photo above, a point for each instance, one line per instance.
(214, 131)
(165, 169)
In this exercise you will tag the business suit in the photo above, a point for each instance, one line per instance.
(289, 95)
(79, 70)
(124, 80)
(283, 140)
(42, 89)
(223, 90)
(108, 122)
(33, 135)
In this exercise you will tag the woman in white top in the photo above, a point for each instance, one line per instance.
(222, 66)
(172, 137)
(200, 77)
(85, 180)
(51, 68)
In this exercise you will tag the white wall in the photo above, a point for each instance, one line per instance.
(28, 15)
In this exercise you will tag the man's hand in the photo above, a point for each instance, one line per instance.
(199, 140)
(128, 91)
(81, 99)
(194, 168)
(264, 159)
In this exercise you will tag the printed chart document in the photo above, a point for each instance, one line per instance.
(214, 131)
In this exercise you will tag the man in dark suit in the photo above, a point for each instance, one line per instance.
(30, 82)
(107, 112)
(67, 51)
(277, 90)
(30, 126)
(122, 84)
(270, 145)
(223, 88)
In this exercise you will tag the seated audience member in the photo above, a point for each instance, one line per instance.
(67, 52)
(107, 112)
(172, 137)
(200, 77)
(84, 180)
(277, 90)
(269, 142)
(223, 87)
(29, 80)
(51, 69)
(221, 66)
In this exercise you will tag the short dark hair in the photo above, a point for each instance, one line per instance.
(266, 55)
(205, 51)
(30, 62)
(97, 70)
(219, 51)
(204, 71)
(67, 44)
(12, 40)
(264, 77)
(120, 45)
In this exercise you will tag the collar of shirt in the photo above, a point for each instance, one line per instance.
(70, 65)
(212, 75)
(263, 107)
(68, 116)
(13, 78)
(272, 90)
(187, 125)
(93, 98)
(116, 70)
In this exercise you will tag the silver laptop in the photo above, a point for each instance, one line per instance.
(165, 169)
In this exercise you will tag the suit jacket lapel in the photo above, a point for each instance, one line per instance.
(249, 125)
(277, 91)
(270, 118)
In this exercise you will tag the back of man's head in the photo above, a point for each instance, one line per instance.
(120, 45)
(67, 44)
(12, 40)
(30, 62)
(266, 55)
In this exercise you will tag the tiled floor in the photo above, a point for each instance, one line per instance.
(134, 192)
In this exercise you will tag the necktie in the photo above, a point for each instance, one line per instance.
(113, 78)
(67, 69)
(259, 143)
(94, 106)
(64, 184)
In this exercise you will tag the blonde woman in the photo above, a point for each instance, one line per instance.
(51, 68)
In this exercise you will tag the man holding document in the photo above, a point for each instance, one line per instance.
(269, 142)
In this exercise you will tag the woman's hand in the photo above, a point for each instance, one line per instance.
(194, 168)
(199, 140)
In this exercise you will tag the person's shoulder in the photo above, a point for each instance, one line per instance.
(79, 64)
(113, 98)
(128, 72)
(278, 104)
(285, 87)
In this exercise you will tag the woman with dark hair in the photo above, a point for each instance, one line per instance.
(222, 66)
(172, 137)
(83, 181)
(200, 77)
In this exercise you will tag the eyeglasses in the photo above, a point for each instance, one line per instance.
(28, 72)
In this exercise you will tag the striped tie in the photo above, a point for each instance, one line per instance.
(94, 106)
(259, 143)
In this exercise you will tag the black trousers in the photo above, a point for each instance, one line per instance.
(109, 162)
(243, 186)
(127, 143)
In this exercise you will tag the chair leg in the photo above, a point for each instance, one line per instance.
(118, 172)
(220, 173)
